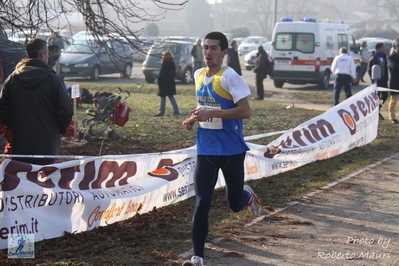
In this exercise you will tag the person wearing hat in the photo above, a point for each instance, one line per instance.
(393, 67)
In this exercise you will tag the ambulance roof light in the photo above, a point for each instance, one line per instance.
(306, 19)
(286, 19)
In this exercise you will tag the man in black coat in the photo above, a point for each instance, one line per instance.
(35, 106)
(232, 58)
(393, 67)
(261, 65)
(380, 58)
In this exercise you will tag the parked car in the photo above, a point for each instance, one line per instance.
(11, 54)
(250, 58)
(81, 34)
(250, 43)
(140, 47)
(9, 33)
(179, 38)
(88, 57)
(20, 36)
(238, 40)
(181, 52)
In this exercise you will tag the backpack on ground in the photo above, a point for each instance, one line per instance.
(86, 96)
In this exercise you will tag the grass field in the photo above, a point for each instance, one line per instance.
(159, 236)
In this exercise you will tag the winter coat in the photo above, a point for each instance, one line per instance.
(261, 65)
(35, 106)
(374, 60)
(393, 66)
(196, 53)
(166, 79)
(233, 61)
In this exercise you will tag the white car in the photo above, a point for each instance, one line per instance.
(20, 36)
(238, 40)
(250, 58)
(250, 43)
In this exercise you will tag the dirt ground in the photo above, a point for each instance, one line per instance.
(350, 222)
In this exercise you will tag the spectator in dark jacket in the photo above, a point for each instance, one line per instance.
(35, 106)
(167, 83)
(393, 67)
(261, 65)
(55, 40)
(380, 58)
(232, 58)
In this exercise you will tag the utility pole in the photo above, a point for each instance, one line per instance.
(274, 13)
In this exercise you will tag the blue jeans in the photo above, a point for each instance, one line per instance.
(163, 105)
(342, 80)
(205, 178)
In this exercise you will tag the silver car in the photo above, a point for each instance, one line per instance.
(181, 52)
(250, 58)
(250, 43)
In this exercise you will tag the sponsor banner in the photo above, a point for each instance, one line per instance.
(352, 123)
(79, 195)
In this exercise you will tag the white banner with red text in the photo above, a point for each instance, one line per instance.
(80, 195)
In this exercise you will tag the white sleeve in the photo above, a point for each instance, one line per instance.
(334, 65)
(235, 85)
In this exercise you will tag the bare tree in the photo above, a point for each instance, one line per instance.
(392, 6)
(262, 13)
(102, 18)
(297, 9)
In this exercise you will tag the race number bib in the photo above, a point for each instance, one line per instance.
(211, 123)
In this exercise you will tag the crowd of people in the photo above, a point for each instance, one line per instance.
(344, 69)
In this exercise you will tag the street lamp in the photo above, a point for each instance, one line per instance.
(211, 16)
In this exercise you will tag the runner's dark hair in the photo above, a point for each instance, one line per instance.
(216, 35)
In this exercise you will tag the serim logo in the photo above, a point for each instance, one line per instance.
(271, 152)
(361, 109)
(349, 122)
(169, 171)
(21, 246)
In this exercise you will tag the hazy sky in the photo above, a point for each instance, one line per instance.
(213, 1)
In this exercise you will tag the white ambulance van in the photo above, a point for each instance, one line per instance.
(304, 50)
